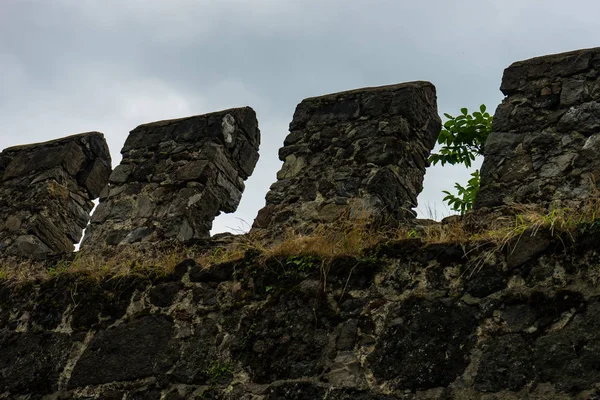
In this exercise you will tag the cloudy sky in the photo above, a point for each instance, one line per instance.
(71, 66)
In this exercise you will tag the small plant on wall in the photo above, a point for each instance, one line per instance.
(462, 139)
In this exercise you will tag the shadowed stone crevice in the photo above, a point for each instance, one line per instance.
(365, 148)
(46, 193)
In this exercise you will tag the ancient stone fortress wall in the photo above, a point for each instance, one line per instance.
(545, 144)
(408, 321)
(176, 176)
(46, 191)
(369, 145)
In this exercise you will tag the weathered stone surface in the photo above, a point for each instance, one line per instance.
(424, 345)
(544, 145)
(141, 348)
(577, 346)
(46, 191)
(198, 352)
(408, 324)
(272, 351)
(506, 363)
(176, 176)
(32, 362)
(367, 148)
(405, 321)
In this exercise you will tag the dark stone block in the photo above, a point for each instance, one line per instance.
(53, 299)
(315, 391)
(348, 333)
(152, 394)
(100, 305)
(352, 394)
(162, 295)
(445, 254)
(507, 363)
(32, 362)
(486, 281)
(424, 345)
(115, 237)
(111, 395)
(133, 350)
(583, 118)
(197, 354)
(214, 273)
(352, 274)
(205, 295)
(570, 358)
(543, 310)
(352, 307)
(525, 248)
(387, 186)
(182, 268)
(289, 342)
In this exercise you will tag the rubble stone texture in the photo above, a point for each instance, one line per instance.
(414, 322)
(175, 177)
(46, 191)
(545, 144)
(369, 145)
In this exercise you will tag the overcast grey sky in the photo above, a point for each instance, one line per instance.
(71, 66)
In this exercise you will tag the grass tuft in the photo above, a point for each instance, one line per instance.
(492, 230)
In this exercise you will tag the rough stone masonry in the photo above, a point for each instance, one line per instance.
(175, 177)
(409, 323)
(545, 144)
(368, 144)
(46, 191)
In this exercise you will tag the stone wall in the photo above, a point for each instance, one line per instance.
(46, 191)
(407, 322)
(545, 144)
(404, 321)
(176, 176)
(369, 145)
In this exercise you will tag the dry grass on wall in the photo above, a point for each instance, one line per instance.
(347, 237)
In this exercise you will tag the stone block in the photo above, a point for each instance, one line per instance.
(32, 362)
(542, 149)
(137, 349)
(366, 148)
(46, 193)
(176, 176)
(416, 349)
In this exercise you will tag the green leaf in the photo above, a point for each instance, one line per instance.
(462, 140)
